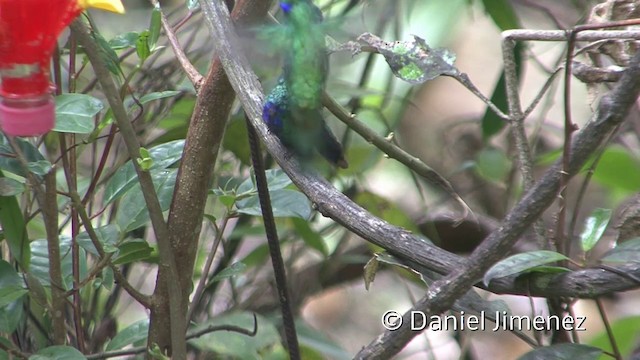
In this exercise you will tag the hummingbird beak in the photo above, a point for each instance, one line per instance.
(109, 5)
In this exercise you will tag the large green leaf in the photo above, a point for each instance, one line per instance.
(75, 113)
(519, 263)
(107, 235)
(131, 251)
(162, 156)
(40, 261)
(133, 333)
(628, 251)
(563, 352)
(236, 130)
(158, 95)
(107, 54)
(385, 210)
(12, 286)
(14, 229)
(124, 41)
(284, 202)
(133, 212)
(594, 227)
(625, 331)
(10, 163)
(310, 236)
(11, 315)
(503, 15)
(619, 170)
(58, 352)
(234, 269)
(493, 164)
(318, 341)
(239, 346)
(10, 187)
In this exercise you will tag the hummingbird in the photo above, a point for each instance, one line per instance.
(301, 136)
(293, 109)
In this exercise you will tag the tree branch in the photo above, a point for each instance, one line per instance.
(178, 328)
(441, 295)
(402, 243)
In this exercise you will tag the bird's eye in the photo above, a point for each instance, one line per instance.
(286, 7)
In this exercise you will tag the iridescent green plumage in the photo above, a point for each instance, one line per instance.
(306, 62)
(293, 109)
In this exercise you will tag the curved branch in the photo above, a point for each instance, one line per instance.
(397, 241)
(442, 294)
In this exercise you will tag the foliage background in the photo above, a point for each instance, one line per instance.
(439, 125)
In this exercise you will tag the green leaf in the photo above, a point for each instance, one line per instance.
(12, 286)
(625, 331)
(413, 61)
(227, 200)
(142, 46)
(155, 26)
(131, 251)
(107, 54)
(616, 161)
(131, 334)
(40, 261)
(310, 236)
(10, 163)
(106, 120)
(285, 203)
(277, 179)
(40, 167)
(503, 15)
(594, 227)
(385, 210)
(493, 164)
(14, 229)
(124, 41)
(108, 236)
(10, 187)
(239, 346)
(11, 315)
(235, 269)
(563, 352)
(75, 113)
(158, 95)
(37, 291)
(163, 156)
(521, 263)
(106, 279)
(58, 352)
(256, 256)
(318, 341)
(370, 271)
(236, 130)
(133, 212)
(626, 252)
(145, 161)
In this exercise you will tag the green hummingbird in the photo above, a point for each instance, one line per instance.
(301, 136)
(293, 109)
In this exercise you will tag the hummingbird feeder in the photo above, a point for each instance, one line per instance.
(28, 33)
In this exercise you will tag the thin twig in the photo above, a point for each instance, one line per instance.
(393, 151)
(191, 335)
(207, 267)
(178, 322)
(192, 73)
(279, 269)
